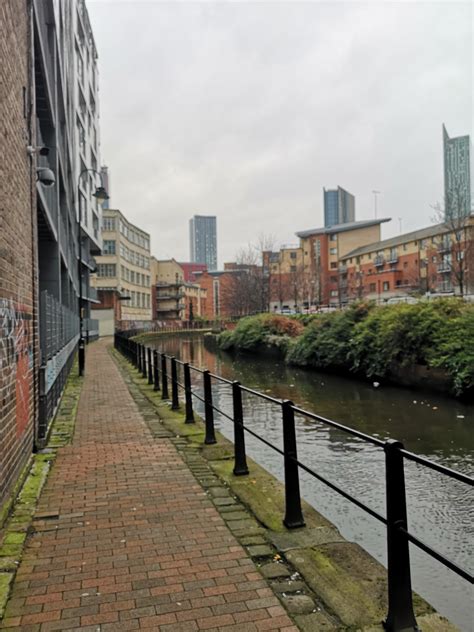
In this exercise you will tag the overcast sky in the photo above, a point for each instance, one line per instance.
(247, 110)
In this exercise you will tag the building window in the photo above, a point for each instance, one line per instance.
(372, 287)
(109, 223)
(433, 259)
(405, 264)
(333, 265)
(106, 269)
(333, 237)
(333, 251)
(405, 246)
(292, 255)
(334, 292)
(386, 286)
(292, 268)
(109, 247)
(333, 279)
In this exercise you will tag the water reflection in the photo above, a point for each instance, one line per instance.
(441, 510)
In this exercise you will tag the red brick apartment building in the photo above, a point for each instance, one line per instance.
(308, 274)
(438, 259)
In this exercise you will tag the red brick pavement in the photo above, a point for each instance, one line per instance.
(136, 543)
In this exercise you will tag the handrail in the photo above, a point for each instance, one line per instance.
(398, 535)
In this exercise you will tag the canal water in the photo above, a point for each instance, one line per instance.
(440, 510)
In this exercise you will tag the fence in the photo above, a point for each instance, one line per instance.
(59, 334)
(162, 371)
(134, 327)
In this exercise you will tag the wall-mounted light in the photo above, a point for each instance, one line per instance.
(45, 176)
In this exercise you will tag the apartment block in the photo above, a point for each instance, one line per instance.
(48, 232)
(458, 175)
(203, 240)
(438, 259)
(339, 207)
(306, 275)
(173, 297)
(124, 266)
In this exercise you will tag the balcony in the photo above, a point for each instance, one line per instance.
(170, 296)
(379, 260)
(444, 246)
(392, 258)
(342, 269)
(444, 267)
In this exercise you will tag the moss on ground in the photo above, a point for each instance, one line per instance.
(17, 514)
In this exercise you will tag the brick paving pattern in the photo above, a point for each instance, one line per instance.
(127, 539)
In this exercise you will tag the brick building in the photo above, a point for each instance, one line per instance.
(19, 344)
(174, 297)
(307, 274)
(436, 260)
(49, 216)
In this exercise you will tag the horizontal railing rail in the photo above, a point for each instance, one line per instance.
(154, 365)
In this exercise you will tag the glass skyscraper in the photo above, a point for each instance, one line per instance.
(203, 240)
(457, 175)
(339, 207)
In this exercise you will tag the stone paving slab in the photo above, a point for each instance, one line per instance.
(127, 539)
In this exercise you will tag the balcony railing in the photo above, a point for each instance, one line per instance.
(392, 257)
(444, 246)
(342, 269)
(444, 267)
(379, 260)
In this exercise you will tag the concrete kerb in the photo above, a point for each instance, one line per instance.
(346, 588)
(19, 514)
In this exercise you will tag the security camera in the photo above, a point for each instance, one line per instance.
(45, 176)
(42, 151)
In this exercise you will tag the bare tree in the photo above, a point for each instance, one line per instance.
(247, 290)
(455, 244)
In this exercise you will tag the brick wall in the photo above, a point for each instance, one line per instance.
(18, 270)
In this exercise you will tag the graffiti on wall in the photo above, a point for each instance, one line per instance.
(16, 358)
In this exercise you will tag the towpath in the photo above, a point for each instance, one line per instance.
(127, 539)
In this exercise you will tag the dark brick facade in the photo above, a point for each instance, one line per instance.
(18, 267)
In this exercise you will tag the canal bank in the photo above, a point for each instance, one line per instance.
(438, 428)
(336, 572)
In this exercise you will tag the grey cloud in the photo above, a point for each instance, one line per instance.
(246, 110)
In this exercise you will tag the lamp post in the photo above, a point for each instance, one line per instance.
(101, 195)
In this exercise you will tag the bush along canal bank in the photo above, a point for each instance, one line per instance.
(324, 581)
(429, 344)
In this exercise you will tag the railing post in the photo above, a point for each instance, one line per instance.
(164, 378)
(240, 459)
(156, 373)
(137, 356)
(208, 409)
(400, 604)
(188, 394)
(150, 368)
(174, 385)
(293, 513)
(143, 361)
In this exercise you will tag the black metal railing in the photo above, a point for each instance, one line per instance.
(400, 615)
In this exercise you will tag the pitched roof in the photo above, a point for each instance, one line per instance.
(342, 228)
(422, 233)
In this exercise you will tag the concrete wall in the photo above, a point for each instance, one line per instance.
(18, 267)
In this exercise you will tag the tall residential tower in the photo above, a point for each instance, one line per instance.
(457, 175)
(339, 207)
(203, 240)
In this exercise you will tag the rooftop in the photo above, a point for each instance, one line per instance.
(422, 233)
(342, 228)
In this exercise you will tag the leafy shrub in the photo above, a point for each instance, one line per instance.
(253, 331)
(398, 336)
(453, 351)
(325, 341)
